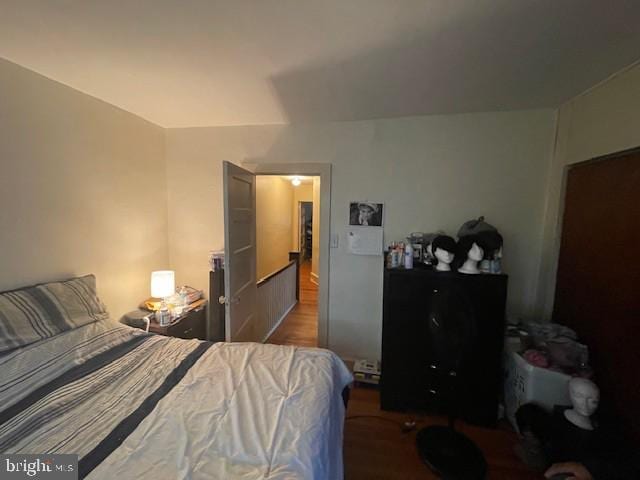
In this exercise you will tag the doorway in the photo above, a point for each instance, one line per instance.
(286, 229)
(300, 326)
(321, 240)
(305, 221)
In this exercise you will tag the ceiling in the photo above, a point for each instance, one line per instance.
(182, 63)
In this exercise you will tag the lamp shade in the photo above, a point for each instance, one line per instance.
(163, 283)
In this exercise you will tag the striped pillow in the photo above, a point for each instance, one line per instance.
(33, 313)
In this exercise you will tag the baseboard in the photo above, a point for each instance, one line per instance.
(314, 278)
(282, 317)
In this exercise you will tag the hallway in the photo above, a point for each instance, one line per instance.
(300, 326)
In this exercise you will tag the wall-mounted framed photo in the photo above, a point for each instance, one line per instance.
(366, 214)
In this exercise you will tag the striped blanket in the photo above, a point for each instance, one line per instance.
(135, 405)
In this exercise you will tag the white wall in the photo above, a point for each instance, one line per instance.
(431, 172)
(604, 120)
(274, 221)
(82, 189)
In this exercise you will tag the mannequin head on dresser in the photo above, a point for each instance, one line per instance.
(443, 249)
(468, 253)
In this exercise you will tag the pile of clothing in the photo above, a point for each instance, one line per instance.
(551, 346)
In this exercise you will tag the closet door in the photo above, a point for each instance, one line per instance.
(598, 280)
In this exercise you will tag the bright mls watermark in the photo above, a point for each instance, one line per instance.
(49, 467)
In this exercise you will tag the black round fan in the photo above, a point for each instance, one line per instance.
(452, 330)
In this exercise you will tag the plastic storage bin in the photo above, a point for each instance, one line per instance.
(525, 383)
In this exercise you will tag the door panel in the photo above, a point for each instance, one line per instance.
(240, 252)
(598, 278)
(242, 277)
(241, 236)
(242, 311)
(241, 191)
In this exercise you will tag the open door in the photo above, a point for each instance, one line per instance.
(240, 253)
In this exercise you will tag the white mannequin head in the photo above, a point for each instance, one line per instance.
(585, 397)
(443, 248)
(476, 253)
(444, 259)
(472, 253)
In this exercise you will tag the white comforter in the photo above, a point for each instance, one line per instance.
(243, 411)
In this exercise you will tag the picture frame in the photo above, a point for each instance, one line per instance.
(366, 213)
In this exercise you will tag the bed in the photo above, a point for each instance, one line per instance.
(137, 405)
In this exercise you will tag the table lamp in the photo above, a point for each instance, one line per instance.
(163, 285)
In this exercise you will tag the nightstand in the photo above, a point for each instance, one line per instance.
(192, 324)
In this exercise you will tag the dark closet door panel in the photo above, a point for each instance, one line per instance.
(598, 280)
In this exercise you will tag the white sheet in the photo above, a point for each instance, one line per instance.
(243, 411)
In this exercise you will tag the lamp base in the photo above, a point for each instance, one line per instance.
(451, 454)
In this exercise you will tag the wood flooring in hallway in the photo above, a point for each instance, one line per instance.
(300, 326)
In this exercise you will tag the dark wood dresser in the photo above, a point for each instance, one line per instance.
(411, 379)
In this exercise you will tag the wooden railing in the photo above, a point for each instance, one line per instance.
(277, 295)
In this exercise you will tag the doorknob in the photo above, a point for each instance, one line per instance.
(222, 300)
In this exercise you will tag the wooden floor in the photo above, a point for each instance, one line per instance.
(300, 327)
(376, 448)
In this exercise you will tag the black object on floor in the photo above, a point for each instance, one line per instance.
(451, 454)
(451, 321)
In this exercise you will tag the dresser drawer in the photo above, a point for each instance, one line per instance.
(191, 326)
(437, 387)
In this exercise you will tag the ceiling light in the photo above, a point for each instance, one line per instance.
(295, 181)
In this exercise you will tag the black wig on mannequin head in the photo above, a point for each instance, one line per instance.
(444, 242)
(462, 249)
(490, 243)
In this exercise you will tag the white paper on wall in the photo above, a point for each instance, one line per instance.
(365, 240)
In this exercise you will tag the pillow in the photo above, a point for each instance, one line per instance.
(34, 313)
